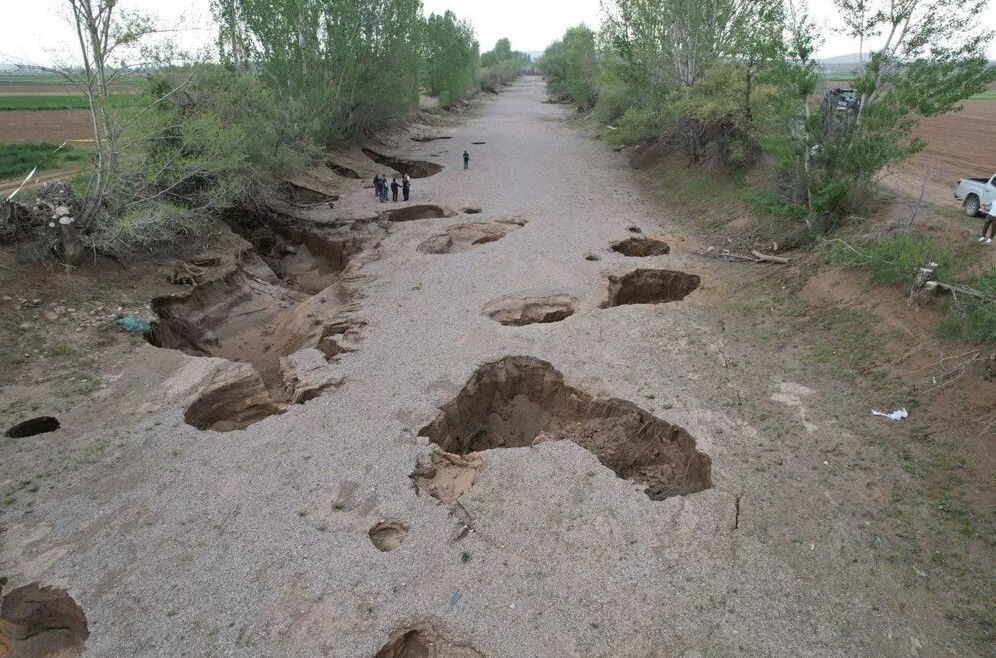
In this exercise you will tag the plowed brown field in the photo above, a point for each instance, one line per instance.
(959, 144)
(33, 126)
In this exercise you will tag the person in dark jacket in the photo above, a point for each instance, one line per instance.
(377, 183)
(406, 185)
(466, 160)
(383, 188)
(394, 189)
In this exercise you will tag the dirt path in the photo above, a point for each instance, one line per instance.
(328, 530)
(9, 186)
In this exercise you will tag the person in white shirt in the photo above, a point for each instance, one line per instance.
(989, 228)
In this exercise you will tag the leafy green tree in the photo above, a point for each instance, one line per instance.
(931, 58)
(501, 66)
(450, 57)
(571, 67)
(339, 67)
(660, 52)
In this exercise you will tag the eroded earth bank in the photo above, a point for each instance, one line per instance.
(501, 420)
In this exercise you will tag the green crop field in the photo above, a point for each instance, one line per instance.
(59, 102)
(987, 95)
(17, 160)
(9, 78)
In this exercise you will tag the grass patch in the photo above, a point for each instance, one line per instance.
(972, 319)
(17, 160)
(893, 259)
(849, 345)
(67, 102)
(987, 95)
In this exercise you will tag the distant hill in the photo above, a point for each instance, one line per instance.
(853, 58)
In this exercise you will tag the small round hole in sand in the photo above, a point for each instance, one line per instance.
(641, 247)
(388, 535)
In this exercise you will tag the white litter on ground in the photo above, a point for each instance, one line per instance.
(898, 414)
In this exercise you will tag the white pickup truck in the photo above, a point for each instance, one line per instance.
(976, 194)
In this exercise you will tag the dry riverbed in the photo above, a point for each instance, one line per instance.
(515, 417)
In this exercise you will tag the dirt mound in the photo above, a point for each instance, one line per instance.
(414, 168)
(519, 311)
(41, 622)
(388, 535)
(478, 143)
(31, 427)
(423, 642)
(342, 170)
(447, 476)
(430, 139)
(592, 257)
(649, 287)
(464, 237)
(472, 210)
(413, 213)
(521, 401)
(641, 247)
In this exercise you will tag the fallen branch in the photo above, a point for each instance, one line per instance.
(754, 257)
(960, 290)
(765, 258)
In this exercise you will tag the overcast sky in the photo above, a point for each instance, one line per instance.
(36, 30)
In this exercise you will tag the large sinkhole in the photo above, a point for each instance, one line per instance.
(522, 401)
(649, 287)
(304, 258)
(414, 168)
(269, 313)
(41, 622)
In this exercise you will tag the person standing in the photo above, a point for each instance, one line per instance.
(383, 188)
(394, 189)
(466, 160)
(989, 227)
(377, 185)
(406, 185)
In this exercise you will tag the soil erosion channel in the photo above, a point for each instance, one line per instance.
(535, 451)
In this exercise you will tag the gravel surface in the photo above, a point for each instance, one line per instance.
(179, 542)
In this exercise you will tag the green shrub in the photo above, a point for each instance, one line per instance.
(893, 259)
(973, 319)
(646, 120)
(153, 227)
(614, 98)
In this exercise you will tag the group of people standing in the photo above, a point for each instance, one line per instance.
(381, 187)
